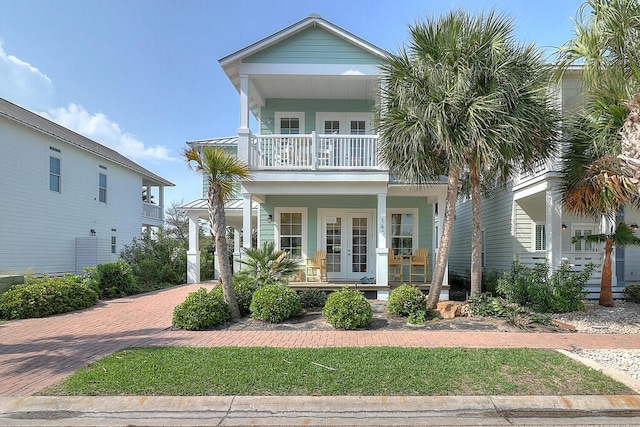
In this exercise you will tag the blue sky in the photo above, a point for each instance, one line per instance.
(142, 76)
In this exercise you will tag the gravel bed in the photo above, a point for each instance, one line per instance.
(622, 318)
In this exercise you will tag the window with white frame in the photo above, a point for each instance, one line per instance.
(289, 123)
(102, 187)
(54, 174)
(113, 244)
(540, 237)
(579, 232)
(291, 231)
(402, 232)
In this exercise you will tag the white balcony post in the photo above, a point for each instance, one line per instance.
(553, 229)
(244, 101)
(314, 150)
(193, 254)
(382, 252)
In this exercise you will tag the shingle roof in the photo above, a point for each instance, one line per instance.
(32, 120)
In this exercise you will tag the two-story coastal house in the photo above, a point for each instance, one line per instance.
(526, 222)
(67, 202)
(318, 184)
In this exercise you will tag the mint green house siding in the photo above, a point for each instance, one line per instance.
(310, 107)
(313, 46)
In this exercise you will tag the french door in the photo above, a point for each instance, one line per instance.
(347, 237)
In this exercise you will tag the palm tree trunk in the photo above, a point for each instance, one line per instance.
(476, 233)
(218, 226)
(606, 294)
(445, 241)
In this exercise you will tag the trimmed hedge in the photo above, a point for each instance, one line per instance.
(275, 303)
(46, 297)
(348, 309)
(632, 292)
(405, 300)
(200, 310)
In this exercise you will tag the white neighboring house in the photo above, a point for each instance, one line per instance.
(67, 202)
(527, 223)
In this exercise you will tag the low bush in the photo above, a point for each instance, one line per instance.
(244, 294)
(533, 288)
(113, 280)
(348, 309)
(275, 303)
(312, 298)
(486, 304)
(46, 297)
(200, 310)
(406, 300)
(632, 292)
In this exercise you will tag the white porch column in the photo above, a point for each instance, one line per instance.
(442, 203)
(553, 229)
(237, 236)
(246, 220)
(161, 201)
(382, 252)
(244, 133)
(193, 254)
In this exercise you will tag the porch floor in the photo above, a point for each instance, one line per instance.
(334, 285)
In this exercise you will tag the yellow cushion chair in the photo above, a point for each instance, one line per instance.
(419, 265)
(395, 267)
(316, 267)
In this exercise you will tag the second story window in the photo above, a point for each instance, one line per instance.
(102, 187)
(54, 174)
(289, 126)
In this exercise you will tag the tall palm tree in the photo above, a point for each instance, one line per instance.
(222, 172)
(464, 98)
(598, 176)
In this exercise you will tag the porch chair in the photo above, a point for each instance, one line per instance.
(395, 263)
(316, 267)
(296, 276)
(419, 265)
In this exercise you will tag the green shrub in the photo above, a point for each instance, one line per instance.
(275, 303)
(267, 265)
(312, 298)
(244, 294)
(632, 292)
(200, 310)
(156, 261)
(347, 309)
(533, 288)
(114, 280)
(487, 305)
(406, 300)
(46, 297)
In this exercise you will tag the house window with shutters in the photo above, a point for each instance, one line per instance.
(540, 237)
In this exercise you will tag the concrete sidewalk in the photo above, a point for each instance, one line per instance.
(36, 353)
(303, 410)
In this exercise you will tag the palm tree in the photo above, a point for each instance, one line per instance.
(222, 171)
(464, 98)
(598, 174)
(267, 265)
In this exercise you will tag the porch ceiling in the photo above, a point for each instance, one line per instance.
(314, 87)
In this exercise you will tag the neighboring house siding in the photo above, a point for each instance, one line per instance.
(313, 46)
(39, 227)
(498, 241)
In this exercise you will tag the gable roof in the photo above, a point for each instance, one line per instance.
(310, 21)
(15, 113)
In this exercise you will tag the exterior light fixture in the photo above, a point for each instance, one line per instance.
(93, 232)
(564, 226)
(634, 226)
(270, 219)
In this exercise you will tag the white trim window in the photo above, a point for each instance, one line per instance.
(582, 230)
(102, 187)
(54, 174)
(403, 231)
(289, 123)
(291, 231)
(539, 237)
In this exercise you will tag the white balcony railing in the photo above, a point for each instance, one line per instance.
(151, 211)
(314, 151)
(577, 260)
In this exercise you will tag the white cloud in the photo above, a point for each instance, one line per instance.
(24, 84)
(99, 128)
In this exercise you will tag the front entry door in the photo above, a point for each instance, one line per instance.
(348, 241)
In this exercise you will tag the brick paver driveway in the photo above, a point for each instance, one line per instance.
(36, 353)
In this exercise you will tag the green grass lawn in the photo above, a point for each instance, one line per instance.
(336, 371)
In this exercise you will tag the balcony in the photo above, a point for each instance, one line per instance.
(314, 152)
(152, 212)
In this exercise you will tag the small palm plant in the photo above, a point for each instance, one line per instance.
(267, 265)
